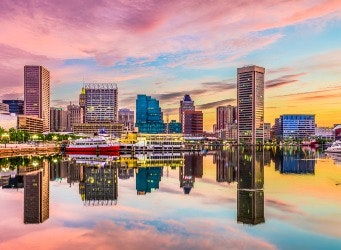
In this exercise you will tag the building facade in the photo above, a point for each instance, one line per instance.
(192, 123)
(186, 104)
(250, 104)
(100, 102)
(4, 108)
(149, 118)
(295, 127)
(92, 128)
(127, 118)
(31, 124)
(174, 127)
(82, 102)
(74, 116)
(267, 131)
(37, 93)
(58, 120)
(15, 106)
(8, 121)
(221, 118)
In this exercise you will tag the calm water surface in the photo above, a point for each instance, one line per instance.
(227, 199)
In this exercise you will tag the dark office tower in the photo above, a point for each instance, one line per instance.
(15, 106)
(101, 102)
(37, 94)
(250, 101)
(58, 120)
(250, 194)
(148, 179)
(99, 186)
(149, 118)
(186, 104)
(82, 102)
(37, 195)
(127, 117)
(192, 123)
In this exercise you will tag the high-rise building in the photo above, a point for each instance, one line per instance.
(221, 118)
(37, 93)
(149, 118)
(101, 102)
(294, 126)
(185, 104)
(58, 120)
(250, 104)
(15, 106)
(192, 122)
(127, 117)
(231, 114)
(82, 102)
(37, 194)
(74, 116)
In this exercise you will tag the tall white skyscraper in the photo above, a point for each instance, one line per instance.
(250, 102)
(37, 93)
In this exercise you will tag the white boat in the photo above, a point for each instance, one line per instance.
(96, 145)
(335, 147)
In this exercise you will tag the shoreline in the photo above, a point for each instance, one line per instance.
(8, 150)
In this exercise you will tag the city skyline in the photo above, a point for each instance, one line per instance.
(169, 49)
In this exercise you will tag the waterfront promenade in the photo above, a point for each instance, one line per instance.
(13, 149)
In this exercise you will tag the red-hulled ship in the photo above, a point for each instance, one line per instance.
(95, 145)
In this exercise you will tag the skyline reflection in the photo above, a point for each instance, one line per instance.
(97, 176)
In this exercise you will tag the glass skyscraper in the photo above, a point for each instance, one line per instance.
(149, 118)
(250, 101)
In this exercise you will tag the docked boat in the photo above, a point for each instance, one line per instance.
(335, 147)
(95, 145)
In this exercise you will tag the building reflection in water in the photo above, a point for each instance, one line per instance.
(98, 186)
(193, 168)
(148, 179)
(295, 160)
(250, 194)
(36, 192)
(227, 164)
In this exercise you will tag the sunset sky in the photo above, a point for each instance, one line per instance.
(168, 48)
